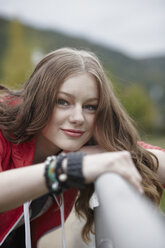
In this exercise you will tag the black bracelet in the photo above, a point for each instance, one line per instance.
(59, 168)
(73, 177)
(74, 170)
(60, 174)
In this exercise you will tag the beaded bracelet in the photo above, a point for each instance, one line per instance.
(50, 175)
(61, 175)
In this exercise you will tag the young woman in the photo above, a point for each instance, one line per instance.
(67, 105)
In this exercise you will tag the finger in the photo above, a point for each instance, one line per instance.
(134, 180)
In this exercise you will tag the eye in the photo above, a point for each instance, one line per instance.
(90, 107)
(62, 102)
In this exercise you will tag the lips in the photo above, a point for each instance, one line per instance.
(73, 132)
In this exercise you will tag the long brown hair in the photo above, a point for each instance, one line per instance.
(26, 112)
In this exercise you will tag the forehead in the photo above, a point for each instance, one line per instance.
(83, 83)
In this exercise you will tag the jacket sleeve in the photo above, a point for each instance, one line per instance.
(149, 146)
(5, 150)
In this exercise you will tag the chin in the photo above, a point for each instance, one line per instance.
(71, 149)
(71, 146)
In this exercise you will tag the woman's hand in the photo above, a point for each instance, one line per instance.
(115, 162)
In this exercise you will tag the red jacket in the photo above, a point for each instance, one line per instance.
(15, 156)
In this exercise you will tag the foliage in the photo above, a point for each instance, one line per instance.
(155, 140)
(17, 59)
(139, 106)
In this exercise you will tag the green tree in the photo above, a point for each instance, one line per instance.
(17, 62)
(139, 106)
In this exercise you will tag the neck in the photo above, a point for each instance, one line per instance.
(44, 148)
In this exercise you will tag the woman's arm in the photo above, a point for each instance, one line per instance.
(23, 184)
(20, 185)
(161, 169)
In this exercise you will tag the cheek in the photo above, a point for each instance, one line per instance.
(91, 123)
(50, 127)
(59, 116)
(46, 130)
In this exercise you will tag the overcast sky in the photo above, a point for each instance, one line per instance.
(136, 27)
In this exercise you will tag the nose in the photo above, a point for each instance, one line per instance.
(76, 115)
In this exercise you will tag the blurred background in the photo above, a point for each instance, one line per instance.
(128, 36)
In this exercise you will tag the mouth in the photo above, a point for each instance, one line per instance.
(73, 132)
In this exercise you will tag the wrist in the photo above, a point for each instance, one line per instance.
(64, 171)
(94, 165)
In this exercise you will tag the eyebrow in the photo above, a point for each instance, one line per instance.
(70, 95)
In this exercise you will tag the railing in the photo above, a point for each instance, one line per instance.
(124, 218)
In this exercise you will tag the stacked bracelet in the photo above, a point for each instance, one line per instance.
(60, 174)
(57, 179)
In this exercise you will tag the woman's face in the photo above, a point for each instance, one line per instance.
(72, 122)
